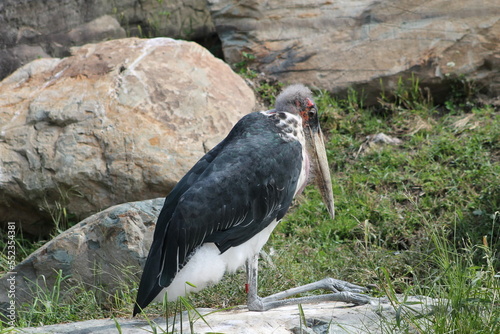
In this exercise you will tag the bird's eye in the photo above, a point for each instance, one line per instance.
(311, 112)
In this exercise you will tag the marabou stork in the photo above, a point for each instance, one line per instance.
(221, 213)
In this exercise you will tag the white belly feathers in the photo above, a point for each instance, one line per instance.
(207, 266)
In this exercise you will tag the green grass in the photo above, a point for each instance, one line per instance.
(56, 304)
(419, 218)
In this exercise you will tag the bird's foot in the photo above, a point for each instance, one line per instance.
(263, 304)
(337, 285)
(342, 291)
(351, 298)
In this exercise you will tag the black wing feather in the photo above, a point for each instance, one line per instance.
(149, 287)
(235, 191)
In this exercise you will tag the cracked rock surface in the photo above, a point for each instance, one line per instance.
(335, 45)
(117, 121)
(323, 318)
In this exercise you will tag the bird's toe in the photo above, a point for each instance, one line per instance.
(337, 285)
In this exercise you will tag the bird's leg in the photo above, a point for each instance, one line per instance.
(341, 291)
(254, 302)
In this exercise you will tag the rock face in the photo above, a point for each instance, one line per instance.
(32, 29)
(103, 250)
(116, 122)
(323, 318)
(336, 44)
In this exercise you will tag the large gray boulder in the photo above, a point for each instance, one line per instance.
(33, 29)
(334, 45)
(323, 318)
(102, 253)
(116, 122)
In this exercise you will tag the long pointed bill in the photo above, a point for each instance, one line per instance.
(319, 163)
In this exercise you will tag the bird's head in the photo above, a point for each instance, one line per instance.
(298, 99)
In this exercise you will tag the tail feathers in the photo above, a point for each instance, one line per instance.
(149, 287)
(144, 299)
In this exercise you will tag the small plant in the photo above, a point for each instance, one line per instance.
(117, 325)
(268, 92)
(355, 100)
(124, 290)
(24, 246)
(55, 303)
(462, 92)
(302, 318)
(408, 94)
(58, 211)
(243, 67)
(140, 34)
(7, 330)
